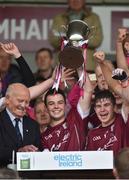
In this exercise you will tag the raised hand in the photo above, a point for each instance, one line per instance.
(122, 32)
(67, 74)
(11, 49)
(99, 56)
(119, 74)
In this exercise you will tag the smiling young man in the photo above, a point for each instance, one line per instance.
(110, 135)
(66, 132)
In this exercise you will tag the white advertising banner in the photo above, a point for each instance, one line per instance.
(70, 160)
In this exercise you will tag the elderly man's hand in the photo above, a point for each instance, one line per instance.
(99, 56)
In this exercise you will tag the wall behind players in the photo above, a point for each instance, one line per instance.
(30, 31)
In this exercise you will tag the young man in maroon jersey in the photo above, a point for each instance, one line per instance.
(66, 132)
(110, 135)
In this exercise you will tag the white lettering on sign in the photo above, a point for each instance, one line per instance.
(45, 29)
(17, 29)
(13, 29)
(4, 28)
(33, 30)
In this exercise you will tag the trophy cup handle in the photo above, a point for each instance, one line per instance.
(62, 31)
(91, 32)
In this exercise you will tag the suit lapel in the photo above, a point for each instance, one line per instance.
(9, 126)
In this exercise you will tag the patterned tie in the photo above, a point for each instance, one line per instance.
(19, 136)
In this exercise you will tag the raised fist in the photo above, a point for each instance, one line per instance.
(11, 49)
(99, 56)
(122, 34)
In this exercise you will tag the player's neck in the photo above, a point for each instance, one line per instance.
(55, 122)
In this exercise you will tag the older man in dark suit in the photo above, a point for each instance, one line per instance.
(17, 131)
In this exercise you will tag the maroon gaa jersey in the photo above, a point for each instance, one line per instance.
(127, 132)
(66, 136)
(112, 137)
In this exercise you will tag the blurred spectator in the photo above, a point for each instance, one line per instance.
(11, 73)
(41, 115)
(44, 62)
(121, 164)
(78, 11)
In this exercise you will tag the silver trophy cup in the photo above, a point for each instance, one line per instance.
(77, 32)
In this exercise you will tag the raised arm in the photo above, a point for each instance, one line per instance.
(35, 91)
(39, 89)
(85, 101)
(25, 70)
(113, 84)
(120, 56)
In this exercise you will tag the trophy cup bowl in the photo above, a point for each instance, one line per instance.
(72, 55)
(77, 30)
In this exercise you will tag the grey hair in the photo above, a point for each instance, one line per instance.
(12, 88)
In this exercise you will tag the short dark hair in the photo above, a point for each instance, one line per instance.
(52, 92)
(121, 163)
(44, 49)
(104, 94)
